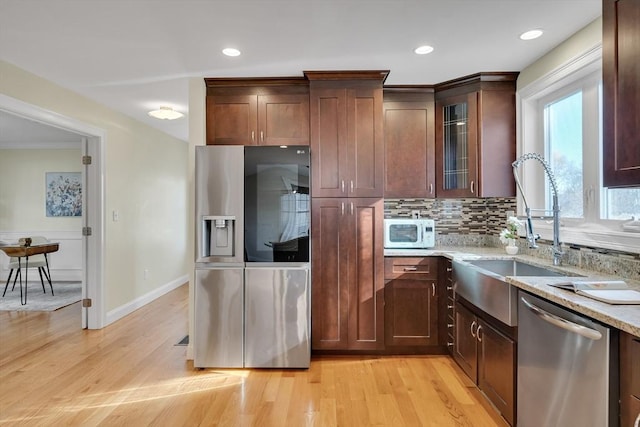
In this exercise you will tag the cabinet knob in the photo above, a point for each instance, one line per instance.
(449, 269)
(449, 344)
(450, 307)
(449, 325)
(449, 288)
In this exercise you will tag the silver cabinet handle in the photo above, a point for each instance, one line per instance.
(431, 188)
(637, 422)
(478, 333)
(473, 333)
(261, 136)
(410, 269)
(342, 208)
(592, 334)
(342, 185)
(253, 136)
(351, 186)
(351, 208)
(433, 289)
(473, 187)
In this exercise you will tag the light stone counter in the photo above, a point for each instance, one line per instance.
(623, 317)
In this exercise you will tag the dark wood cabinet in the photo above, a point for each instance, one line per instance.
(476, 136)
(257, 112)
(446, 305)
(486, 352)
(411, 303)
(347, 275)
(346, 133)
(409, 142)
(621, 92)
(629, 379)
(497, 368)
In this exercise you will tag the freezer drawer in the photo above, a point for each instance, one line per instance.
(219, 302)
(277, 317)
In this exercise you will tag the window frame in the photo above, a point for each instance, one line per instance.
(584, 71)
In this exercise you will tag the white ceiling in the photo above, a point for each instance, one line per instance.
(136, 55)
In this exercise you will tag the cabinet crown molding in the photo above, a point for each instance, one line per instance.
(380, 75)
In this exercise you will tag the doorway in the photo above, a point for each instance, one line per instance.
(92, 143)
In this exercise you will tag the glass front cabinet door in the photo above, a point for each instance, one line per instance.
(456, 146)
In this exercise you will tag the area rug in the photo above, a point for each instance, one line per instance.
(66, 293)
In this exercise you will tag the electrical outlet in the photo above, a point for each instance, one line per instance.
(116, 215)
(415, 214)
(510, 214)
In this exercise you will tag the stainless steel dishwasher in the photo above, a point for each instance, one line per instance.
(567, 367)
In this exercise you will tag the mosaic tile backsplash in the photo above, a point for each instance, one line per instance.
(478, 221)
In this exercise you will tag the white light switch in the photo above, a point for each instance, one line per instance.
(116, 216)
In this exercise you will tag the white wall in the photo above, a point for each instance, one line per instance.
(145, 180)
(22, 207)
(579, 43)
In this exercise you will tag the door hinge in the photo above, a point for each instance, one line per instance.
(86, 160)
(86, 231)
(86, 303)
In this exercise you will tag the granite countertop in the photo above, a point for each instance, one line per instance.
(623, 317)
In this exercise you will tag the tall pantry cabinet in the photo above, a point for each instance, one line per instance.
(347, 209)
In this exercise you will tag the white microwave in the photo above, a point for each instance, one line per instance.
(402, 233)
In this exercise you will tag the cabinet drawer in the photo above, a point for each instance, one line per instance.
(412, 268)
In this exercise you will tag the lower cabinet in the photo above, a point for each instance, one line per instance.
(410, 304)
(629, 380)
(486, 352)
(347, 310)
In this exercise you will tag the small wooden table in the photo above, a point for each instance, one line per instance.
(20, 252)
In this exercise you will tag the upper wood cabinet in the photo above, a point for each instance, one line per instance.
(347, 145)
(476, 136)
(409, 146)
(621, 92)
(257, 112)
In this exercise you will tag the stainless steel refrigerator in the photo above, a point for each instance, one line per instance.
(252, 281)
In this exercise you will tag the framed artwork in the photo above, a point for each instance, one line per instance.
(63, 194)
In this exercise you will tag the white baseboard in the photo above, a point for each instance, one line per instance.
(130, 307)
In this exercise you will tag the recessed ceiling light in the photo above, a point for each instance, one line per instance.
(165, 113)
(423, 50)
(531, 34)
(229, 51)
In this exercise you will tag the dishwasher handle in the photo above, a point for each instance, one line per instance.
(562, 323)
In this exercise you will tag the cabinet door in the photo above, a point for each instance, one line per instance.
(456, 146)
(283, 119)
(330, 274)
(409, 149)
(364, 175)
(465, 347)
(366, 270)
(410, 313)
(621, 92)
(328, 121)
(232, 120)
(496, 369)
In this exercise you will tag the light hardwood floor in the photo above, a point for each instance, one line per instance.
(132, 374)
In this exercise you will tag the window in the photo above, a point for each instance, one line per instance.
(561, 117)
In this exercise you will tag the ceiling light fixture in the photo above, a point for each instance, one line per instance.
(531, 34)
(423, 50)
(165, 113)
(229, 51)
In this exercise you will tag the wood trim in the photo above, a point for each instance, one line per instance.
(379, 75)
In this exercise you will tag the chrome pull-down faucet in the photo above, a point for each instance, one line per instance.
(531, 236)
